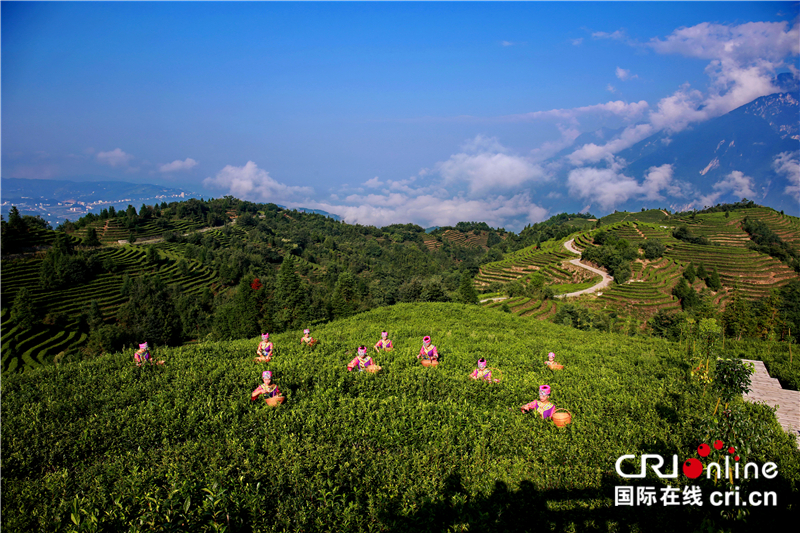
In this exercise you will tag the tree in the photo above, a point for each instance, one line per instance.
(149, 315)
(91, 238)
(23, 312)
(653, 249)
(289, 299)
(622, 272)
(713, 282)
(701, 272)
(466, 290)
(737, 319)
(689, 273)
(433, 291)
(151, 255)
(15, 222)
(343, 301)
(94, 316)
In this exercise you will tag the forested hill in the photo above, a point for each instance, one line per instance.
(220, 269)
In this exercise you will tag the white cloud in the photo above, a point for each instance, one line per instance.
(577, 42)
(609, 186)
(592, 153)
(618, 35)
(735, 183)
(743, 61)
(627, 111)
(114, 158)
(374, 183)
(550, 148)
(431, 210)
(486, 165)
(745, 43)
(787, 164)
(178, 165)
(252, 183)
(507, 43)
(625, 75)
(606, 186)
(610, 88)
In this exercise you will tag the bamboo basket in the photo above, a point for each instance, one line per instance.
(556, 366)
(275, 400)
(562, 417)
(428, 362)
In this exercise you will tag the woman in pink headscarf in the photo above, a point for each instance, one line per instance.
(543, 405)
(362, 362)
(384, 343)
(268, 389)
(551, 361)
(482, 372)
(142, 356)
(307, 339)
(428, 354)
(264, 350)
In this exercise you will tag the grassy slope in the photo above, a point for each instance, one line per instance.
(410, 449)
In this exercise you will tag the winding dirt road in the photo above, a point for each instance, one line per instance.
(577, 262)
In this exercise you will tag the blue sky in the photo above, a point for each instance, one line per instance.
(380, 112)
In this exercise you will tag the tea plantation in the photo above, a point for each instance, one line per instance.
(102, 445)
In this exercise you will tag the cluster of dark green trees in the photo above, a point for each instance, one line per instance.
(612, 253)
(277, 270)
(768, 242)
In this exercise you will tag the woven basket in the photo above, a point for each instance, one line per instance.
(373, 368)
(562, 417)
(556, 366)
(275, 400)
(429, 362)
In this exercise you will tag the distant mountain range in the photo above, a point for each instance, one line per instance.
(54, 191)
(749, 139)
(55, 200)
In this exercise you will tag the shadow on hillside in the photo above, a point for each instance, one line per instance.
(529, 509)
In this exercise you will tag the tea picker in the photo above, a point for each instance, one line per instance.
(384, 343)
(543, 406)
(428, 354)
(546, 409)
(272, 396)
(551, 362)
(307, 339)
(142, 355)
(264, 350)
(363, 362)
(482, 372)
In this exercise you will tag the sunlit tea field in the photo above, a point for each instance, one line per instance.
(105, 446)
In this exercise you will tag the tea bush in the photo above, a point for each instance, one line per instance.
(102, 445)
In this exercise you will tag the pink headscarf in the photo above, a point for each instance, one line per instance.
(264, 336)
(362, 350)
(384, 334)
(266, 374)
(544, 390)
(551, 355)
(481, 363)
(426, 340)
(143, 346)
(306, 331)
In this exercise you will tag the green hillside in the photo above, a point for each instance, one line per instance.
(102, 445)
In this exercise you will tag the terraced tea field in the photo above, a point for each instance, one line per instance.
(113, 230)
(34, 347)
(552, 261)
(650, 287)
